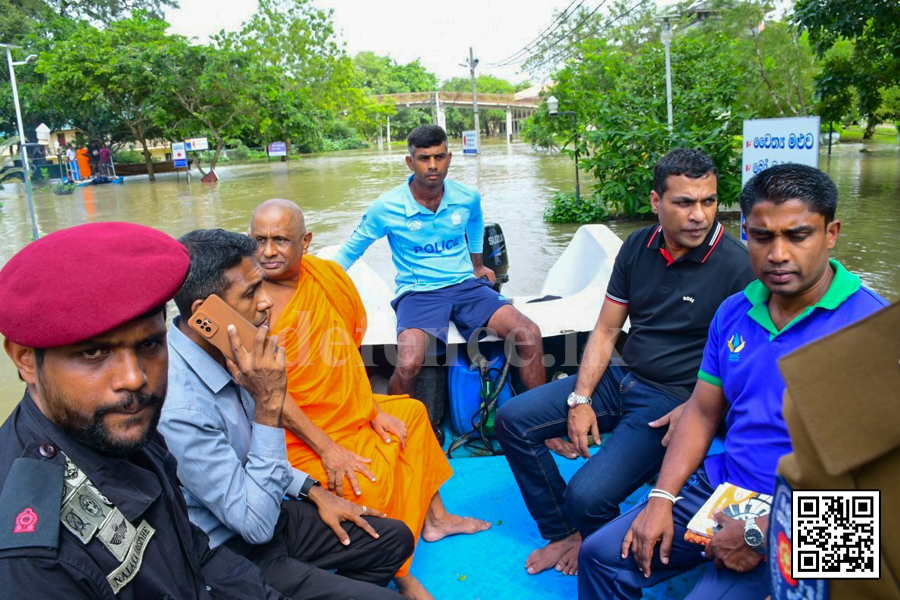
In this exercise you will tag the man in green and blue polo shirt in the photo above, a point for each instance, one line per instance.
(800, 295)
(435, 229)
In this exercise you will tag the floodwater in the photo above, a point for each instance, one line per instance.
(515, 181)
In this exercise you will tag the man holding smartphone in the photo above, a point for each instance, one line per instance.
(222, 420)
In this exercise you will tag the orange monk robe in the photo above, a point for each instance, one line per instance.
(322, 328)
(84, 162)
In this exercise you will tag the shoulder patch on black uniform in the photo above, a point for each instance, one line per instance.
(29, 505)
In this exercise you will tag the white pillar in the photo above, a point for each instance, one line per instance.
(441, 116)
(389, 131)
(509, 125)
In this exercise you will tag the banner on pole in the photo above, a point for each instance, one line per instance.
(179, 155)
(193, 144)
(770, 142)
(470, 142)
(278, 149)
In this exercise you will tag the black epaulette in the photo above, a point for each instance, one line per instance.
(29, 505)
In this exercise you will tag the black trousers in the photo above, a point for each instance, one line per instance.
(306, 561)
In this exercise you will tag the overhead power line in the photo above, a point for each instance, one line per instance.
(554, 44)
(595, 31)
(559, 20)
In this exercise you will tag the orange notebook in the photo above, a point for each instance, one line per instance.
(732, 500)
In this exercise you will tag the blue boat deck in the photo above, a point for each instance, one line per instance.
(490, 565)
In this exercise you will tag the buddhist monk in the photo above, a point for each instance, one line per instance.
(84, 162)
(336, 427)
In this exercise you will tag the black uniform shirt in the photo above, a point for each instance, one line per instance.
(41, 558)
(671, 303)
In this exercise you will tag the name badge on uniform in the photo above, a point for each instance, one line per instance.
(132, 563)
(87, 513)
(778, 544)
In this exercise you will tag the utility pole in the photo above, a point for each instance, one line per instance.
(666, 38)
(472, 63)
(26, 175)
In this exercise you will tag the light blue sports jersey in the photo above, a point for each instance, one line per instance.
(430, 249)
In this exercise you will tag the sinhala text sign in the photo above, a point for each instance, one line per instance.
(770, 142)
(470, 142)
(278, 149)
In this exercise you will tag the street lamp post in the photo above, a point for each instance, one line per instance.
(666, 38)
(553, 109)
(27, 170)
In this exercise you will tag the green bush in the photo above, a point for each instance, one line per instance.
(340, 130)
(241, 152)
(128, 157)
(332, 145)
(64, 189)
(563, 208)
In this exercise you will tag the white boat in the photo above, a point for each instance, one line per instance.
(568, 302)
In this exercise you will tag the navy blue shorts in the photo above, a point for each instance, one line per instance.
(470, 305)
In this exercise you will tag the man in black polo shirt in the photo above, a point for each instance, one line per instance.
(669, 279)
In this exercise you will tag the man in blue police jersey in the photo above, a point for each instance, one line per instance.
(435, 228)
(800, 296)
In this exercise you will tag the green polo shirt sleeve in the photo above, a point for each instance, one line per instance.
(710, 370)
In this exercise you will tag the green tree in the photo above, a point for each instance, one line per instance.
(874, 64)
(116, 68)
(298, 40)
(38, 25)
(309, 77)
(382, 75)
(619, 98)
(211, 88)
(491, 120)
(377, 75)
(778, 56)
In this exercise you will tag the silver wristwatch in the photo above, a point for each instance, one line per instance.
(754, 537)
(576, 399)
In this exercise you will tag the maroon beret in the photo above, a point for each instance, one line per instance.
(80, 282)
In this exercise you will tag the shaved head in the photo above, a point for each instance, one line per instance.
(282, 208)
(279, 229)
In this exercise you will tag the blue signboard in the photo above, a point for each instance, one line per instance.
(179, 157)
(278, 149)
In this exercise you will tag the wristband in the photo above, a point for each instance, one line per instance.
(658, 493)
(308, 485)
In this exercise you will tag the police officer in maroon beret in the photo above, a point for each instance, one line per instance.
(89, 501)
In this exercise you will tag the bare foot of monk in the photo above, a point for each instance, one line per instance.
(553, 554)
(412, 588)
(569, 563)
(562, 447)
(439, 523)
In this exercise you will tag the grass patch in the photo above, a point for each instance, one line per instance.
(884, 134)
